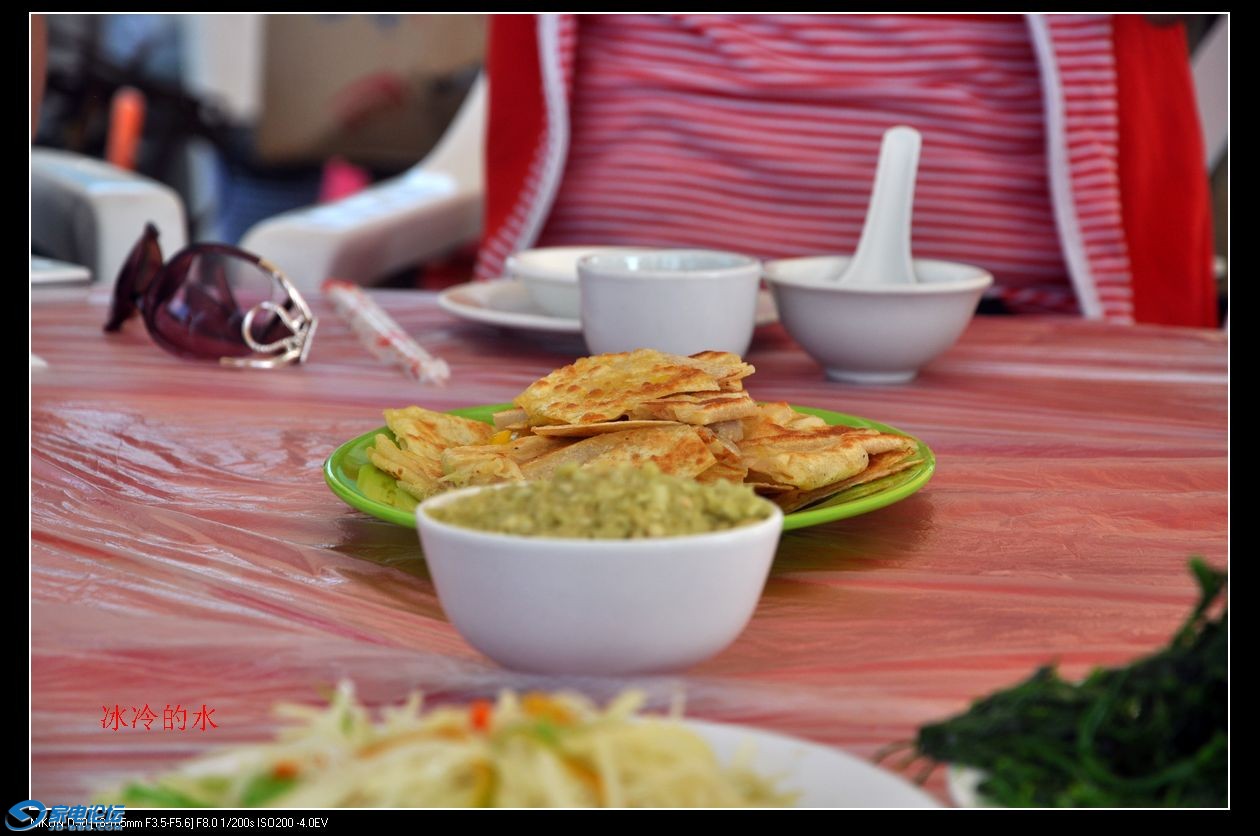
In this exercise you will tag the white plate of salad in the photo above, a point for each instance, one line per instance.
(531, 750)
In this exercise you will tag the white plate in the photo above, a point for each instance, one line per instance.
(50, 271)
(963, 783)
(506, 303)
(823, 777)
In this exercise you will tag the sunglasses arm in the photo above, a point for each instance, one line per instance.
(296, 316)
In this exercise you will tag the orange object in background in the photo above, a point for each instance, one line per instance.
(126, 124)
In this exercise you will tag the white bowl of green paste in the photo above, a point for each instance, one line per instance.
(608, 572)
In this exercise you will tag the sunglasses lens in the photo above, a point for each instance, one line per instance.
(137, 274)
(198, 307)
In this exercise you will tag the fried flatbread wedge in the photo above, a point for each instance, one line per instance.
(511, 419)
(723, 472)
(417, 475)
(675, 448)
(881, 465)
(728, 465)
(732, 431)
(884, 464)
(606, 387)
(415, 457)
(727, 368)
(480, 464)
(699, 409)
(427, 433)
(585, 430)
(876, 442)
(769, 488)
(774, 418)
(529, 447)
(800, 458)
(805, 459)
(488, 464)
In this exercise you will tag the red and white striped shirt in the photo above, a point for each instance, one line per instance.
(760, 134)
(763, 136)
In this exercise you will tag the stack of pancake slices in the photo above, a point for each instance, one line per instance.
(688, 415)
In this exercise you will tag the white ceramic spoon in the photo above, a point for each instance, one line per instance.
(883, 252)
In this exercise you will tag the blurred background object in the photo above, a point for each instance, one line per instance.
(1209, 43)
(430, 215)
(247, 116)
(377, 90)
(89, 213)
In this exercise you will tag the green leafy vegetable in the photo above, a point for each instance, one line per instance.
(1154, 733)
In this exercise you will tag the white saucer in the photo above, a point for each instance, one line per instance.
(505, 302)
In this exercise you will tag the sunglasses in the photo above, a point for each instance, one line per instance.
(213, 301)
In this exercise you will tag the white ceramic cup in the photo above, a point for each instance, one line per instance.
(677, 301)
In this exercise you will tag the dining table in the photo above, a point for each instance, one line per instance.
(187, 557)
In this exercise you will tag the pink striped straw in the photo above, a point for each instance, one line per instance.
(381, 335)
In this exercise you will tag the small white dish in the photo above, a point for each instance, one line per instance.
(874, 333)
(677, 301)
(507, 304)
(550, 275)
(611, 607)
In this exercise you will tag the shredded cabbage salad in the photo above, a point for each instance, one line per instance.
(530, 750)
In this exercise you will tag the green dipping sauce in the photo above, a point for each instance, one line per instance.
(621, 503)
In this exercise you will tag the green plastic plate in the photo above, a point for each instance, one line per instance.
(342, 469)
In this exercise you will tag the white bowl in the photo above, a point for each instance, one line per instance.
(550, 275)
(874, 333)
(678, 301)
(557, 605)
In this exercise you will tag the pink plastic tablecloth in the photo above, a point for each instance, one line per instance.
(186, 552)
